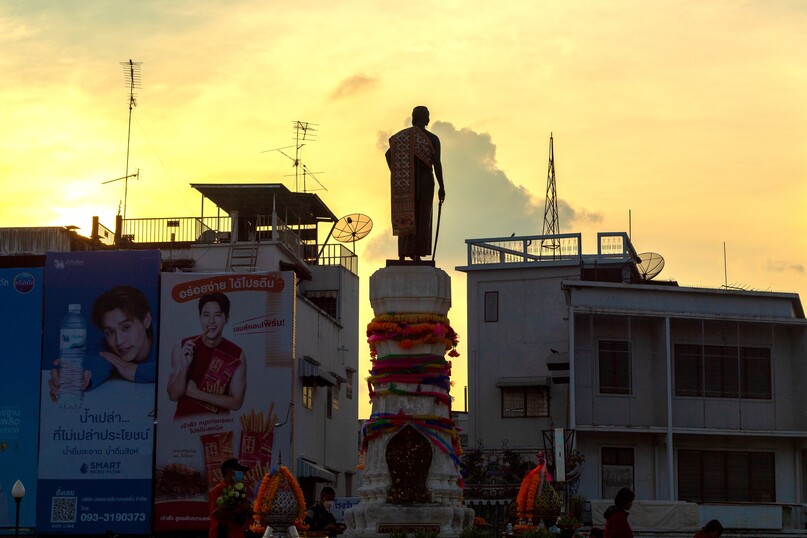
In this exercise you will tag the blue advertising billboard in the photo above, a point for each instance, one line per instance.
(21, 297)
(98, 373)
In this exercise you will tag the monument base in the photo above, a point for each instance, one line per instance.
(379, 520)
(410, 479)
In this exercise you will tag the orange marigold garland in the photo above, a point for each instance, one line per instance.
(270, 485)
(408, 330)
(531, 488)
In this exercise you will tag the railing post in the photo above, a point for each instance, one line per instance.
(118, 229)
(274, 218)
(233, 226)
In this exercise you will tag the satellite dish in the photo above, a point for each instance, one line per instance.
(352, 227)
(650, 265)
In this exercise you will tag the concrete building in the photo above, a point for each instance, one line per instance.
(686, 395)
(259, 227)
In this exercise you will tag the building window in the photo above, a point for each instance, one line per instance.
(520, 402)
(308, 397)
(329, 403)
(615, 367)
(755, 373)
(724, 476)
(325, 300)
(722, 371)
(335, 395)
(617, 470)
(349, 384)
(491, 306)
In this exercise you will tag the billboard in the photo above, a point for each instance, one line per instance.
(225, 385)
(98, 370)
(21, 297)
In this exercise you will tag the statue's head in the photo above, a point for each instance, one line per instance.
(420, 116)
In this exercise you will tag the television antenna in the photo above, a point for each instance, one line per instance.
(551, 220)
(350, 228)
(649, 265)
(303, 132)
(131, 73)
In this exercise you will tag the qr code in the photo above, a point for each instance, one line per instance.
(63, 509)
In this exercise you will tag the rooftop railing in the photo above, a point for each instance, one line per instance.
(337, 254)
(174, 229)
(547, 248)
(525, 249)
(615, 245)
(209, 230)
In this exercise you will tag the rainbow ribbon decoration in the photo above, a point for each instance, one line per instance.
(428, 425)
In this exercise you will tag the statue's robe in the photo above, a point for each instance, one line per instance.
(410, 159)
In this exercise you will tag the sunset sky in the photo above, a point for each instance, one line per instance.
(690, 115)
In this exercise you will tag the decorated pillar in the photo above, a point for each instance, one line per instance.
(410, 448)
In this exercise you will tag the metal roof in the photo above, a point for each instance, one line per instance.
(257, 198)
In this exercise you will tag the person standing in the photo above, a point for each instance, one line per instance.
(616, 516)
(228, 520)
(320, 518)
(413, 153)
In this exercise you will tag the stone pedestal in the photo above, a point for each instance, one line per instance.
(411, 478)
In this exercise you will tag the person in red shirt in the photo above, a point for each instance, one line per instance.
(713, 529)
(208, 372)
(616, 517)
(228, 522)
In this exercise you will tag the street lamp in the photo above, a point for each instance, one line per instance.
(18, 492)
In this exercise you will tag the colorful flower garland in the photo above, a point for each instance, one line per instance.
(408, 330)
(431, 370)
(428, 425)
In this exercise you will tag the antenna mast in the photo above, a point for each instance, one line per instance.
(131, 73)
(551, 222)
(303, 132)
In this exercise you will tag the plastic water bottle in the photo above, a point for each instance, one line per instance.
(72, 346)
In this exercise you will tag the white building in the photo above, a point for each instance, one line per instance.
(681, 394)
(260, 227)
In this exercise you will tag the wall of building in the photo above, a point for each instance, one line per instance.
(330, 443)
(531, 322)
(646, 405)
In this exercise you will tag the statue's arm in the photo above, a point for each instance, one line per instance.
(438, 171)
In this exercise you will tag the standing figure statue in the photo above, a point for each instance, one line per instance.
(413, 153)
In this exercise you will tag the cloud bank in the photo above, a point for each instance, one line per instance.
(481, 201)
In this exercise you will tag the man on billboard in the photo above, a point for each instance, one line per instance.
(123, 315)
(208, 371)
